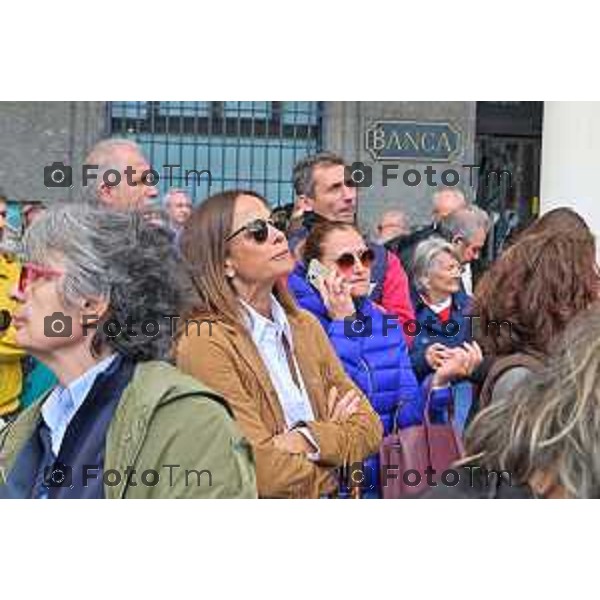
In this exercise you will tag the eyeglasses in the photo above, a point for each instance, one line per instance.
(31, 272)
(347, 260)
(257, 229)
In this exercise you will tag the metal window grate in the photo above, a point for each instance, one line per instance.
(242, 144)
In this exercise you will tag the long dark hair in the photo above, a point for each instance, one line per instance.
(550, 423)
(204, 247)
(538, 285)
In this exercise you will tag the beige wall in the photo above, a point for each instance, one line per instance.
(345, 126)
(36, 134)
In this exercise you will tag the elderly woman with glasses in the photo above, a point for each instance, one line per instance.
(302, 414)
(95, 297)
(443, 327)
(333, 282)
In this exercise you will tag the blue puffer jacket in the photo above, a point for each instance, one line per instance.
(432, 332)
(378, 364)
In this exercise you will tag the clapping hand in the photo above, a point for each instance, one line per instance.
(459, 363)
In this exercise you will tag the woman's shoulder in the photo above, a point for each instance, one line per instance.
(158, 382)
(202, 330)
(303, 318)
(386, 327)
(509, 380)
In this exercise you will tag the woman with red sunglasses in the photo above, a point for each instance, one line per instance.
(369, 343)
(94, 303)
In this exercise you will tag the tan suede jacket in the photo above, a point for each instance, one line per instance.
(227, 360)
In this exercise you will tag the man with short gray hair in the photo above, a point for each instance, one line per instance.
(110, 159)
(324, 193)
(466, 229)
(178, 205)
(444, 202)
(391, 224)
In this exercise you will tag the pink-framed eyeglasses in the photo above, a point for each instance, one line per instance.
(31, 272)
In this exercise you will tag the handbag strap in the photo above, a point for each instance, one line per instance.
(427, 405)
(451, 413)
(451, 408)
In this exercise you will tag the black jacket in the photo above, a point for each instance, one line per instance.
(404, 245)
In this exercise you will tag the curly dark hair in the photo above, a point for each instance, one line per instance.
(538, 285)
(121, 257)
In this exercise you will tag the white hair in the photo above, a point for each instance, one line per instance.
(425, 257)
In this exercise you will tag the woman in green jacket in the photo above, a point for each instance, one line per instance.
(97, 299)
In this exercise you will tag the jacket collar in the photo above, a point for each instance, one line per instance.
(460, 300)
(129, 426)
(258, 324)
(247, 353)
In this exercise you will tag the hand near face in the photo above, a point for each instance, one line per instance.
(337, 298)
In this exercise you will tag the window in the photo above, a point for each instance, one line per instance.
(242, 144)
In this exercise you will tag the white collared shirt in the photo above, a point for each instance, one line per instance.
(268, 338)
(467, 278)
(62, 404)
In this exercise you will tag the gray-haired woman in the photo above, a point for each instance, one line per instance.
(95, 297)
(441, 309)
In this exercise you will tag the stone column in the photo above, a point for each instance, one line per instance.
(571, 159)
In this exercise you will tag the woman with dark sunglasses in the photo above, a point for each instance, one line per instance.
(292, 399)
(369, 343)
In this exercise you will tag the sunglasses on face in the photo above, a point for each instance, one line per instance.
(258, 230)
(347, 260)
(31, 272)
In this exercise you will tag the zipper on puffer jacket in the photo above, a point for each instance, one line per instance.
(370, 383)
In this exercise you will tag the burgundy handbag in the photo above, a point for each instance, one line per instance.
(406, 453)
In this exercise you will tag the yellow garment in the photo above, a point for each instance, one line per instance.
(11, 374)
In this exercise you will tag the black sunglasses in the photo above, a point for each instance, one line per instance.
(257, 229)
(347, 260)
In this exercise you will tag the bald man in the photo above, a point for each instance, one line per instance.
(392, 224)
(119, 154)
(445, 201)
